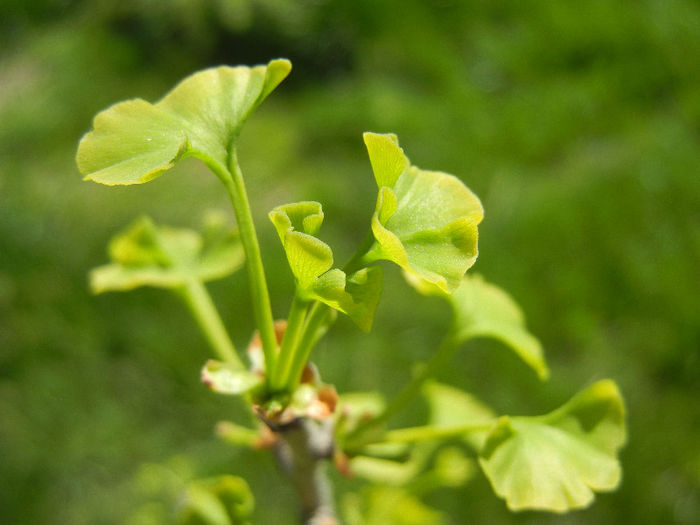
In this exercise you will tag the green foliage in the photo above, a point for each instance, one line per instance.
(425, 221)
(224, 500)
(482, 309)
(555, 462)
(133, 142)
(149, 255)
(311, 260)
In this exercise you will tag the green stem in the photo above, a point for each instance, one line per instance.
(256, 273)
(442, 355)
(318, 315)
(195, 295)
(421, 433)
(290, 342)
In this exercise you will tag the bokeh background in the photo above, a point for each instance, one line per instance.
(576, 122)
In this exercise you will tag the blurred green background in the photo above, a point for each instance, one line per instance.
(577, 123)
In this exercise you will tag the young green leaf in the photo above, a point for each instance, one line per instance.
(149, 255)
(311, 260)
(378, 505)
(482, 309)
(425, 221)
(555, 462)
(135, 141)
(229, 378)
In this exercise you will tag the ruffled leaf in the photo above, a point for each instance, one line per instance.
(228, 378)
(311, 260)
(482, 309)
(425, 221)
(556, 462)
(135, 141)
(149, 255)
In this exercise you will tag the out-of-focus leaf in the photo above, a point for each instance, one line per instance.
(425, 221)
(556, 462)
(224, 500)
(227, 378)
(311, 260)
(451, 407)
(379, 505)
(482, 309)
(149, 255)
(135, 141)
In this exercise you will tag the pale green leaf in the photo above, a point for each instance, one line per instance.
(311, 260)
(228, 378)
(425, 221)
(556, 462)
(135, 141)
(451, 407)
(148, 255)
(377, 505)
(482, 309)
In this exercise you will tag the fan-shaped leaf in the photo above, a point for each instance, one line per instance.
(148, 255)
(555, 462)
(482, 309)
(135, 141)
(425, 221)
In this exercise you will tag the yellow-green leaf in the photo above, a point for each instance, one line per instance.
(149, 255)
(135, 141)
(311, 260)
(482, 309)
(425, 221)
(556, 462)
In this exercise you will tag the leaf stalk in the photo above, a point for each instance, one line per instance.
(197, 298)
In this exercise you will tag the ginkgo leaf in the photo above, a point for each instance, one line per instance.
(296, 226)
(149, 255)
(482, 309)
(311, 260)
(135, 141)
(229, 378)
(556, 462)
(425, 221)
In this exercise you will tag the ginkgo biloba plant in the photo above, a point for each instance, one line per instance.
(426, 222)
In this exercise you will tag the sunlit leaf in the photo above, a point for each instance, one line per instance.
(425, 221)
(556, 462)
(149, 255)
(451, 407)
(135, 141)
(224, 500)
(482, 309)
(227, 378)
(311, 260)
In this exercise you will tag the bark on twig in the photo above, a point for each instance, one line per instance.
(303, 450)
